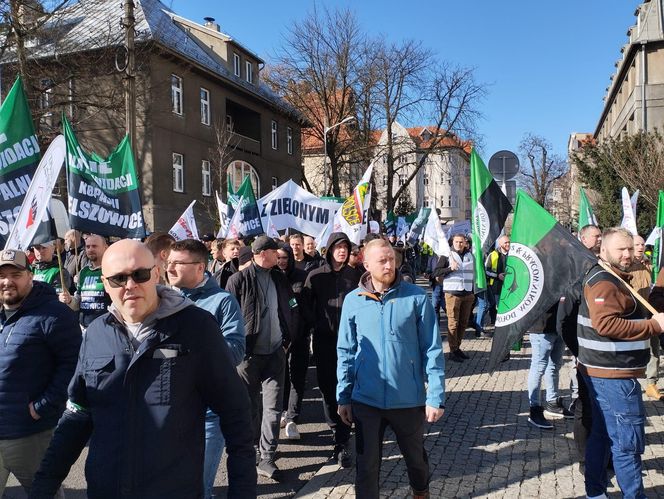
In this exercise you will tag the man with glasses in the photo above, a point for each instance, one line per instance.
(271, 319)
(90, 299)
(146, 374)
(40, 338)
(186, 273)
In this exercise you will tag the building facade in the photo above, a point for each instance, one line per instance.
(203, 114)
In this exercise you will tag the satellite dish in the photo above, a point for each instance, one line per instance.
(504, 165)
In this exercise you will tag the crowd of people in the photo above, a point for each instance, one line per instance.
(161, 354)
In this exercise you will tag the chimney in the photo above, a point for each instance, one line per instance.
(211, 24)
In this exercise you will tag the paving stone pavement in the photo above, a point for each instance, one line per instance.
(484, 446)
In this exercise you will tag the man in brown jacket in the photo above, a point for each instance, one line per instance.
(614, 334)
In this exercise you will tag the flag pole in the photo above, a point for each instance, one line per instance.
(62, 277)
(636, 295)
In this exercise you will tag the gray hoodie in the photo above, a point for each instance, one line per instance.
(170, 302)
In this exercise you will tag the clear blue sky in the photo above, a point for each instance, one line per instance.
(546, 64)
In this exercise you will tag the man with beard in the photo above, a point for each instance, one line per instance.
(323, 294)
(41, 341)
(90, 299)
(614, 334)
(389, 348)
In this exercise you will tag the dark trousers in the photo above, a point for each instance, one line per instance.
(408, 426)
(583, 419)
(296, 375)
(325, 352)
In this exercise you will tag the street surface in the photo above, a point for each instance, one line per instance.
(483, 446)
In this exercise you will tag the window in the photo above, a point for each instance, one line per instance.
(275, 182)
(425, 180)
(426, 202)
(275, 142)
(402, 179)
(229, 123)
(178, 172)
(176, 94)
(442, 178)
(249, 71)
(237, 170)
(236, 65)
(46, 97)
(289, 140)
(384, 180)
(449, 201)
(403, 159)
(205, 106)
(206, 178)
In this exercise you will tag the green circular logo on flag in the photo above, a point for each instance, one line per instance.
(481, 223)
(523, 284)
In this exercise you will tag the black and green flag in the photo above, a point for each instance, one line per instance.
(19, 155)
(248, 223)
(390, 224)
(490, 208)
(544, 261)
(103, 193)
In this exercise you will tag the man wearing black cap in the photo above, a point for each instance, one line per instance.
(270, 314)
(41, 340)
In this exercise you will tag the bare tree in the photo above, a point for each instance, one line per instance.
(317, 71)
(541, 168)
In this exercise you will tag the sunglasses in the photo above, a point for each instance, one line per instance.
(139, 276)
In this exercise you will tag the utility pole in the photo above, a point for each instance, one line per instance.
(128, 22)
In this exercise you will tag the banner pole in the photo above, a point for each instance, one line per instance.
(636, 295)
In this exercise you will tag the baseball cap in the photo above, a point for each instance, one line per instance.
(45, 244)
(262, 243)
(15, 258)
(207, 237)
(244, 255)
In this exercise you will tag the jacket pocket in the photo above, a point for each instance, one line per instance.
(97, 369)
(169, 378)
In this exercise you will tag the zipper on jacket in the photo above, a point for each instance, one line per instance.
(382, 329)
(9, 334)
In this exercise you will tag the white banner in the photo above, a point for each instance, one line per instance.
(629, 217)
(185, 227)
(222, 208)
(434, 235)
(292, 207)
(37, 196)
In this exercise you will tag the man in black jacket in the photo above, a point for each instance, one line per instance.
(41, 339)
(146, 373)
(323, 294)
(298, 353)
(270, 314)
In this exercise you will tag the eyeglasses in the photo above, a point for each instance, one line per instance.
(181, 263)
(139, 276)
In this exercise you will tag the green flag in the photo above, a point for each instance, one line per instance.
(659, 227)
(19, 155)
(250, 220)
(104, 196)
(544, 261)
(489, 210)
(586, 215)
(390, 223)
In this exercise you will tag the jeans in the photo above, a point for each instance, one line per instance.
(214, 447)
(618, 426)
(438, 298)
(547, 358)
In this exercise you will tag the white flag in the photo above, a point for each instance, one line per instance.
(402, 227)
(222, 208)
(654, 235)
(234, 225)
(270, 229)
(185, 227)
(629, 218)
(434, 235)
(37, 197)
(350, 219)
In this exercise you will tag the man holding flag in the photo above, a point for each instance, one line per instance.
(614, 348)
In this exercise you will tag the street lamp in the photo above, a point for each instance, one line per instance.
(325, 130)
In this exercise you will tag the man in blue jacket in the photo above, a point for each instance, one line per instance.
(389, 347)
(40, 338)
(147, 371)
(186, 273)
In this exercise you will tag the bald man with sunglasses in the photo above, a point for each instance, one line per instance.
(147, 372)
